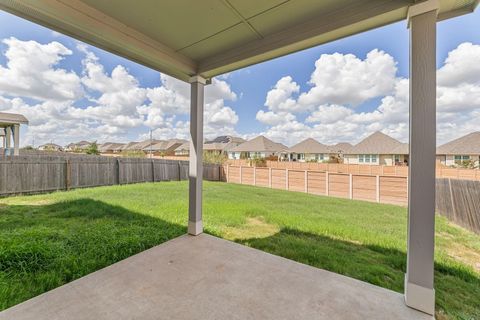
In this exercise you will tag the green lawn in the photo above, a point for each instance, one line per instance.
(49, 240)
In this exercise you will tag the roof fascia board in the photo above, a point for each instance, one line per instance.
(89, 25)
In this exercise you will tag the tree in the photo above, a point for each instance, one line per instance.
(93, 149)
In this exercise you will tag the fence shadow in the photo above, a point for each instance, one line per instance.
(381, 266)
(46, 246)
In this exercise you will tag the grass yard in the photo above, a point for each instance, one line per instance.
(49, 240)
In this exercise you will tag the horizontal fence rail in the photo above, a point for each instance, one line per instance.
(458, 200)
(36, 174)
(372, 170)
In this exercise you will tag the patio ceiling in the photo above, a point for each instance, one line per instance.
(184, 38)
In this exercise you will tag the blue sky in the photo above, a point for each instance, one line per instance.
(244, 92)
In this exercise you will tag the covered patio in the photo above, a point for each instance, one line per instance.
(199, 276)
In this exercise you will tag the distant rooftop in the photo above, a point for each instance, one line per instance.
(466, 145)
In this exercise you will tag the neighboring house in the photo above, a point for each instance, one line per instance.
(50, 147)
(340, 149)
(77, 146)
(110, 147)
(130, 146)
(259, 147)
(378, 149)
(183, 149)
(461, 150)
(310, 150)
(222, 144)
(166, 148)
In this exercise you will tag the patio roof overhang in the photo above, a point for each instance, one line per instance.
(184, 38)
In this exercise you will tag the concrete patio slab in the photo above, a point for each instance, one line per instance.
(205, 277)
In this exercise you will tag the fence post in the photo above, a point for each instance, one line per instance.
(454, 212)
(351, 185)
(270, 177)
(326, 183)
(179, 170)
(68, 173)
(286, 179)
(241, 174)
(378, 188)
(228, 171)
(153, 171)
(117, 171)
(306, 181)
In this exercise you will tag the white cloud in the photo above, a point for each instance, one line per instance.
(341, 82)
(31, 71)
(345, 79)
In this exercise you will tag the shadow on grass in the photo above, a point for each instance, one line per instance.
(457, 289)
(46, 246)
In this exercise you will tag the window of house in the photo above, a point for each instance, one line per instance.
(367, 158)
(301, 156)
(460, 158)
(397, 158)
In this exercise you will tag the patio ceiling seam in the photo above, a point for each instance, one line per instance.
(245, 21)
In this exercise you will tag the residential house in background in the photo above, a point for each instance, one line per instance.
(50, 147)
(80, 146)
(165, 148)
(183, 150)
(222, 144)
(110, 147)
(310, 150)
(259, 147)
(378, 149)
(462, 151)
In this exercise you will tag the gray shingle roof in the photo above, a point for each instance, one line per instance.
(378, 143)
(342, 147)
(466, 145)
(260, 144)
(311, 146)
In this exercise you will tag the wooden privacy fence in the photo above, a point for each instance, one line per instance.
(364, 169)
(459, 201)
(35, 174)
(384, 189)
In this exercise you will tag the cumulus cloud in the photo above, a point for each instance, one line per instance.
(32, 71)
(114, 103)
(340, 83)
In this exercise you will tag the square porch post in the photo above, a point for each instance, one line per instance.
(195, 225)
(8, 137)
(16, 139)
(419, 291)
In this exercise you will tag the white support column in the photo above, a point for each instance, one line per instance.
(195, 225)
(8, 137)
(16, 139)
(419, 291)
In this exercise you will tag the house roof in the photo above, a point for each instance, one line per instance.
(260, 144)
(466, 145)
(183, 147)
(183, 38)
(342, 147)
(378, 143)
(310, 146)
(12, 118)
(223, 143)
(50, 145)
(167, 145)
(109, 146)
